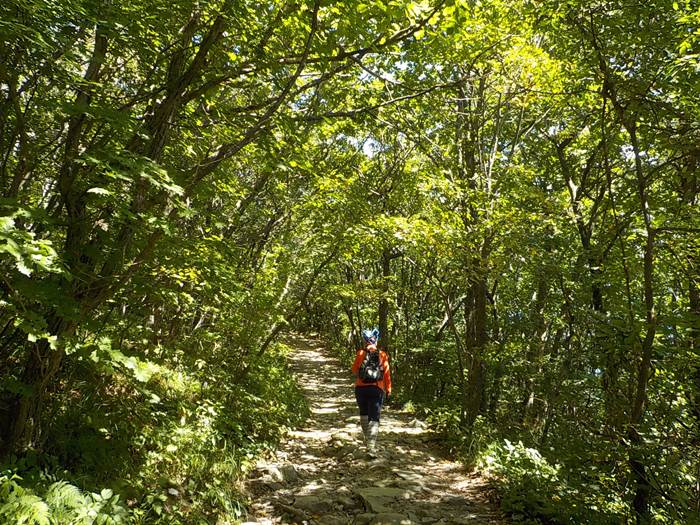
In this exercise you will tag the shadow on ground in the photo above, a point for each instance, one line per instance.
(322, 475)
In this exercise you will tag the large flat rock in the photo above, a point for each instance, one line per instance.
(379, 499)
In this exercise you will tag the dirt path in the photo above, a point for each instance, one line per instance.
(321, 475)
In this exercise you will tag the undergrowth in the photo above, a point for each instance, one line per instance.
(572, 481)
(167, 446)
(535, 491)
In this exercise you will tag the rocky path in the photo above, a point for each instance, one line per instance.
(321, 475)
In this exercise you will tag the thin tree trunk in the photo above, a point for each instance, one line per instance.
(461, 353)
(629, 121)
(478, 337)
(535, 352)
(384, 336)
(43, 362)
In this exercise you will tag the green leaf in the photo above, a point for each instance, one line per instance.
(99, 191)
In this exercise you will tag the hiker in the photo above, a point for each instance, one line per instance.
(372, 386)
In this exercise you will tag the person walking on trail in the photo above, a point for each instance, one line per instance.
(372, 387)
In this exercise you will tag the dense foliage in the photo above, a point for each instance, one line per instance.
(509, 190)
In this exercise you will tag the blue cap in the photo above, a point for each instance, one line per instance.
(371, 336)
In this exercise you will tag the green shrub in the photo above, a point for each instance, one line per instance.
(466, 444)
(173, 444)
(534, 491)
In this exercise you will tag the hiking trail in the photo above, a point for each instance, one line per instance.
(320, 475)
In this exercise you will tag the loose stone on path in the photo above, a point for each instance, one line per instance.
(321, 474)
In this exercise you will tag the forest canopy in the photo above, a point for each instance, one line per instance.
(508, 190)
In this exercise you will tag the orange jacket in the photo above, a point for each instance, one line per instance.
(385, 382)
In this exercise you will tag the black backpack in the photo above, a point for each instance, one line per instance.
(371, 369)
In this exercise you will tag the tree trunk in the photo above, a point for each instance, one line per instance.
(384, 336)
(535, 354)
(23, 415)
(461, 353)
(476, 345)
(694, 310)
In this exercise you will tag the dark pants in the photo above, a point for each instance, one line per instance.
(369, 399)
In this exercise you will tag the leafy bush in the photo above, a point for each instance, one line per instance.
(173, 442)
(466, 444)
(534, 491)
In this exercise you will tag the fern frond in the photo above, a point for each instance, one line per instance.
(64, 495)
(27, 509)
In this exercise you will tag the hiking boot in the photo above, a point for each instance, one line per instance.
(364, 423)
(372, 433)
